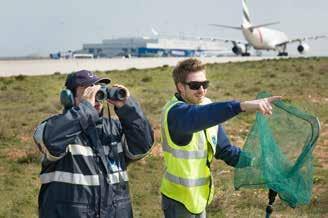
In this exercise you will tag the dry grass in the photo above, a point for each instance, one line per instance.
(25, 101)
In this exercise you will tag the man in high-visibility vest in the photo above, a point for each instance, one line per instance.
(192, 135)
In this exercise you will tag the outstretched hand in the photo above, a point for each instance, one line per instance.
(262, 105)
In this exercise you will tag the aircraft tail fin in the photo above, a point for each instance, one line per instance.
(246, 18)
(154, 32)
(247, 21)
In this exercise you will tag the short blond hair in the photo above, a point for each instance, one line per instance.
(185, 67)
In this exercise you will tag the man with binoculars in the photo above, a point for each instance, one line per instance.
(85, 155)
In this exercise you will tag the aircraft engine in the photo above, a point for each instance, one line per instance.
(303, 48)
(239, 49)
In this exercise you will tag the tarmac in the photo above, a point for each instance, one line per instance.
(64, 66)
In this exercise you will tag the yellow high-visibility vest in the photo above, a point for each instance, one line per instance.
(187, 176)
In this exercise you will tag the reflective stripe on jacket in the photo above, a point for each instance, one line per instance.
(187, 176)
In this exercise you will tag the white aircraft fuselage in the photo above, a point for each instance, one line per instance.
(264, 38)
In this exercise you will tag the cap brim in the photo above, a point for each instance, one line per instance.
(96, 81)
(103, 80)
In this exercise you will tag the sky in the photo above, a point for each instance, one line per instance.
(40, 27)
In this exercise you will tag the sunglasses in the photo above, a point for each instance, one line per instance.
(195, 85)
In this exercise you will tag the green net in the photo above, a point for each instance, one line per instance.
(281, 148)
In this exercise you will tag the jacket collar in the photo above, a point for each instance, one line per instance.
(178, 96)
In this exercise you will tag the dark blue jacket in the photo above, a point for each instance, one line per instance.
(85, 161)
(185, 119)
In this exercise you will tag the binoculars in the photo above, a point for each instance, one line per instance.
(113, 93)
(104, 93)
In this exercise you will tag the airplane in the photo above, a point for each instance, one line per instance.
(261, 38)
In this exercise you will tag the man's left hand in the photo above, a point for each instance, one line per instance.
(120, 103)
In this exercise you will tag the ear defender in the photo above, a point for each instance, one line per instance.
(66, 98)
(66, 95)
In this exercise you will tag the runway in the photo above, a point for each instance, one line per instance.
(63, 66)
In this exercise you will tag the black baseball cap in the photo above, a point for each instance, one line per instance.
(83, 78)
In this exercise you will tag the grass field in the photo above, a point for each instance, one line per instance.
(25, 101)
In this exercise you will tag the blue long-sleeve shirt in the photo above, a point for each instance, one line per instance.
(185, 119)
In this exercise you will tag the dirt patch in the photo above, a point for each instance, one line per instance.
(321, 150)
(3, 171)
(317, 99)
(157, 133)
(319, 195)
(25, 138)
(21, 156)
(15, 154)
(157, 151)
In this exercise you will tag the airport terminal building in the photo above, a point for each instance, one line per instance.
(155, 47)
